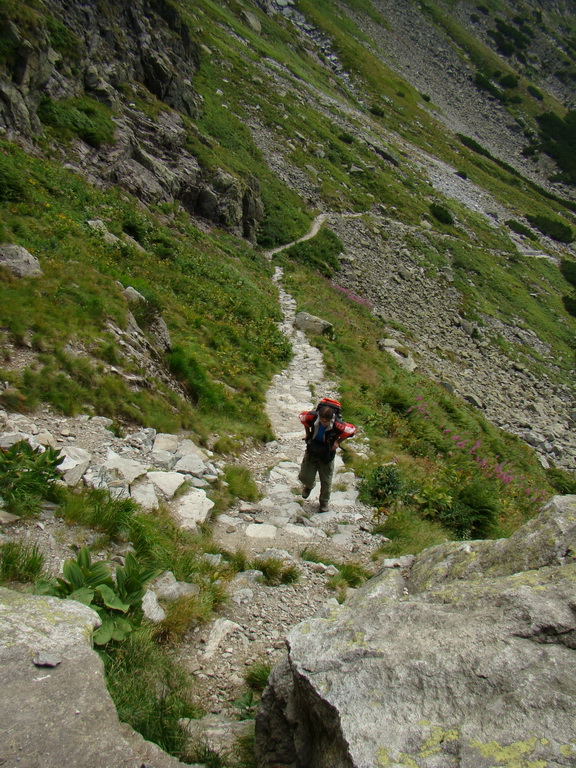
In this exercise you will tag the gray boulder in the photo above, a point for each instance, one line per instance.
(466, 660)
(312, 324)
(19, 261)
(55, 707)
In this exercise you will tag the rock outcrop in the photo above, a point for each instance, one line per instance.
(54, 707)
(467, 658)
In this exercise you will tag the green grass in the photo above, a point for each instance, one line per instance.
(20, 562)
(151, 690)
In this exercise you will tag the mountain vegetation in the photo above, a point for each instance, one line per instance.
(169, 145)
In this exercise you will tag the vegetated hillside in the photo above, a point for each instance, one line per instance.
(163, 145)
(197, 132)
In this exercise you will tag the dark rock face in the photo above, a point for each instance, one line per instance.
(467, 659)
(111, 48)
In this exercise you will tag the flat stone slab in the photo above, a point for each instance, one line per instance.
(167, 482)
(300, 530)
(191, 464)
(144, 493)
(128, 469)
(166, 442)
(261, 531)
(193, 507)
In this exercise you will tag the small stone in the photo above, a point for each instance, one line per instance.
(46, 659)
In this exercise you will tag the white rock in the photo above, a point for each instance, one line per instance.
(220, 630)
(192, 508)
(190, 465)
(187, 447)
(128, 469)
(144, 493)
(167, 482)
(300, 530)
(166, 442)
(261, 531)
(76, 462)
(151, 608)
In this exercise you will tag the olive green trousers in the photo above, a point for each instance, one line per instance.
(311, 467)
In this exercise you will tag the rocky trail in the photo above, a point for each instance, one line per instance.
(250, 628)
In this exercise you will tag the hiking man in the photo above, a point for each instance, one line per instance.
(325, 430)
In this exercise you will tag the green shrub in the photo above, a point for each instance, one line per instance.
(554, 228)
(521, 229)
(509, 81)
(377, 111)
(558, 140)
(441, 213)
(20, 562)
(381, 486)
(569, 304)
(533, 91)
(568, 270)
(117, 601)
(82, 117)
(347, 138)
(28, 477)
(473, 512)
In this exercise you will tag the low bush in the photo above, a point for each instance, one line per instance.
(381, 486)
(82, 117)
(554, 228)
(441, 213)
(28, 476)
(521, 229)
(533, 91)
(568, 270)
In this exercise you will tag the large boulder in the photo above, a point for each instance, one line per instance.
(55, 709)
(19, 261)
(467, 659)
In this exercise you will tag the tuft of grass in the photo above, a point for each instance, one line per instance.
(276, 572)
(96, 509)
(257, 675)
(151, 690)
(20, 562)
(241, 484)
(83, 117)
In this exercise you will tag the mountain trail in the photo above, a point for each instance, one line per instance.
(251, 627)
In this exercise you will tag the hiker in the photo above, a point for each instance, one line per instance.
(325, 430)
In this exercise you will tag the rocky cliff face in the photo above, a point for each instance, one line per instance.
(466, 658)
(105, 51)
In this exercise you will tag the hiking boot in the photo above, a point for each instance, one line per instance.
(306, 492)
(323, 508)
